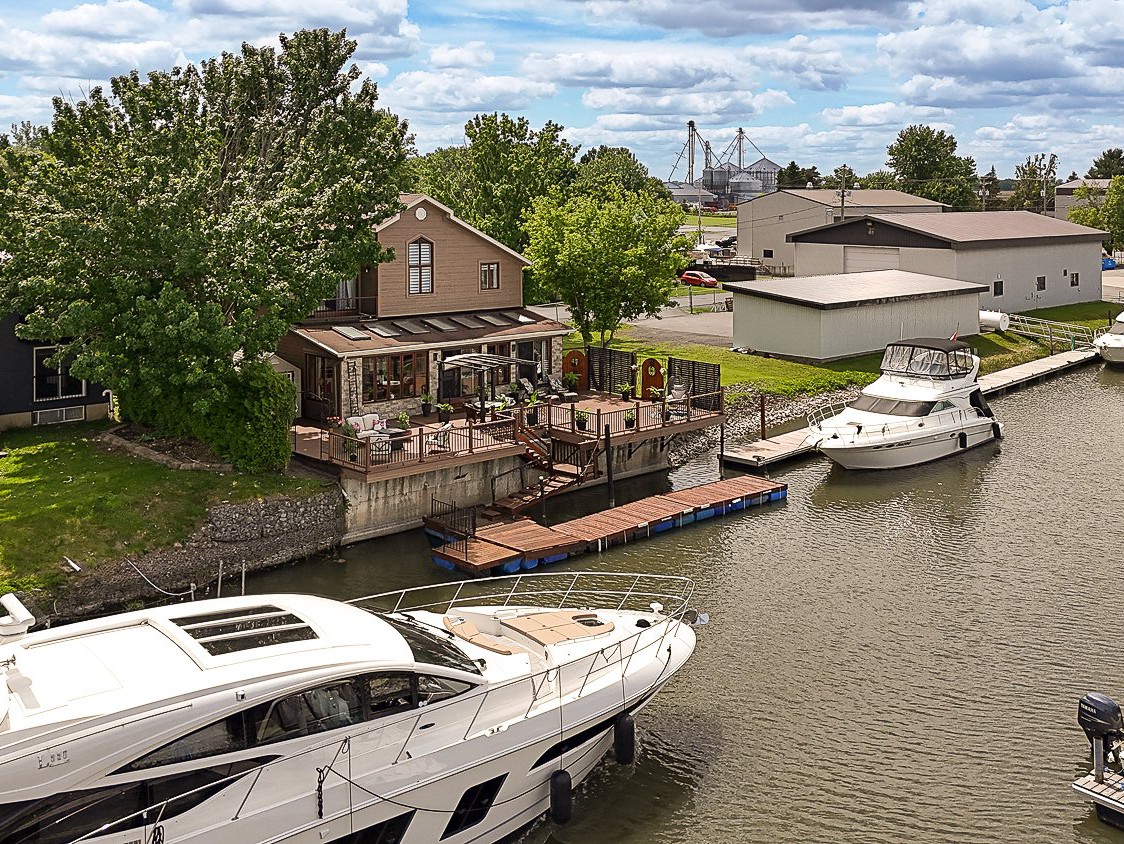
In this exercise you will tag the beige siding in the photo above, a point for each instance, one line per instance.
(819, 258)
(764, 223)
(458, 253)
(869, 327)
(781, 328)
(861, 259)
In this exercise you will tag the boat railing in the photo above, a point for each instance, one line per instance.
(870, 431)
(818, 415)
(551, 684)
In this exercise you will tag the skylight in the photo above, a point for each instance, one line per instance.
(468, 321)
(350, 332)
(245, 629)
(412, 326)
(516, 316)
(384, 329)
(493, 319)
(439, 324)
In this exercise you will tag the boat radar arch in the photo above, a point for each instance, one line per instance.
(17, 622)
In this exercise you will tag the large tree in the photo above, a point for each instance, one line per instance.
(611, 258)
(841, 177)
(989, 190)
(493, 180)
(1101, 209)
(189, 218)
(1108, 164)
(1035, 180)
(791, 176)
(879, 180)
(617, 166)
(924, 161)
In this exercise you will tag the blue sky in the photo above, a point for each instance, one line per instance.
(818, 81)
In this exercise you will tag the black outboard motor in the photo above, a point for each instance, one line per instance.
(1099, 716)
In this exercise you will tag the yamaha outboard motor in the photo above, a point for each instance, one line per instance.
(1099, 716)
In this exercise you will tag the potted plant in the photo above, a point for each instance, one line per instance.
(581, 419)
(655, 394)
(570, 380)
(630, 419)
(403, 420)
(444, 412)
(427, 402)
(625, 390)
(351, 440)
(514, 392)
(533, 408)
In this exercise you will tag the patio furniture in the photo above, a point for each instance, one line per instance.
(367, 425)
(527, 386)
(439, 439)
(559, 388)
(677, 401)
(380, 445)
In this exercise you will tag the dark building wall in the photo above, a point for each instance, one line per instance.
(856, 234)
(17, 367)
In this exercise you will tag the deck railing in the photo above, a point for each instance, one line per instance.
(488, 704)
(416, 445)
(641, 416)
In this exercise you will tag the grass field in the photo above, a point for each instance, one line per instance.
(711, 221)
(788, 378)
(61, 493)
(1091, 314)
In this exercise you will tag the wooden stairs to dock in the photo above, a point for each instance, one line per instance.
(558, 477)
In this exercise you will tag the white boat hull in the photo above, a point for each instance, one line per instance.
(899, 452)
(1110, 353)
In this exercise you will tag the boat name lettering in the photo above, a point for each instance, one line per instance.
(53, 759)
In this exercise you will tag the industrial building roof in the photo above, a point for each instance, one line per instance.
(975, 227)
(849, 290)
(864, 198)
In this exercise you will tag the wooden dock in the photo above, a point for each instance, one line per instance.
(1107, 796)
(524, 544)
(761, 454)
(1000, 382)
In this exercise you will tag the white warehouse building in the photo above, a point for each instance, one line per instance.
(1026, 260)
(835, 316)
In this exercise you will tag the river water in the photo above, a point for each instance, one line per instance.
(891, 656)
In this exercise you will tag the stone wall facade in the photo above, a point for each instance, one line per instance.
(255, 534)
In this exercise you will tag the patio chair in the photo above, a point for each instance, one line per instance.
(527, 386)
(677, 401)
(439, 439)
(559, 388)
(379, 445)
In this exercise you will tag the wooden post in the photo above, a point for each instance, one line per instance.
(470, 437)
(690, 298)
(1050, 333)
(762, 402)
(721, 447)
(573, 422)
(421, 445)
(598, 428)
(609, 464)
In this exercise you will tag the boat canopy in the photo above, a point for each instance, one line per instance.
(928, 357)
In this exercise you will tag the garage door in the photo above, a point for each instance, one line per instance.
(858, 259)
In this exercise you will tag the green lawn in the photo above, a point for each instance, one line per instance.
(787, 378)
(1091, 314)
(712, 220)
(62, 494)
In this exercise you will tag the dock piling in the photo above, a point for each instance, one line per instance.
(609, 465)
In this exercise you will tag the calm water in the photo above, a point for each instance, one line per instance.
(891, 657)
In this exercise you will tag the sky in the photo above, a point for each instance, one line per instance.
(823, 82)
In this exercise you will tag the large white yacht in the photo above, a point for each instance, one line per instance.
(1109, 343)
(453, 713)
(926, 405)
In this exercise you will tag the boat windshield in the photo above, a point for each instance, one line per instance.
(1117, 328)
(893, 407)
(428, 645)
(931, 363)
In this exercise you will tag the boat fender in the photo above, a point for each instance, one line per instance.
(963, 440)
(624, 739)
(561, 797)
(996, 431)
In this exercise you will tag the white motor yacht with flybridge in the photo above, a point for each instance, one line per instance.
(925, 405)
(455, 713)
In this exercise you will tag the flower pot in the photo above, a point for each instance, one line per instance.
(533, 417)
(630, 423)
(581, 423)
(626, 395)
(426, 408)
(444, 416)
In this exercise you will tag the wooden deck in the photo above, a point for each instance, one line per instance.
(759, 455)
(524, 544)
(1107, 796)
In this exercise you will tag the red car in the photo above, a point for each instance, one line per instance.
(695, 278)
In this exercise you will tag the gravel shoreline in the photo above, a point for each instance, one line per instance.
(743, 418)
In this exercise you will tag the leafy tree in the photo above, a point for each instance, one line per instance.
(811, 176)
(1108, 164)
(492, 182)
(924, 161)
(195, 214)
(618, 166)
(841, 176)
(1072, 177)
(1101, 209)
(611, 258)
(1035, 180)
(791, 176)
(879, 180)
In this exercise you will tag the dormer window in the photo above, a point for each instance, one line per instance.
(420, 254)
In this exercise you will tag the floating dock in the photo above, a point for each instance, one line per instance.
(1107, 796)
(525, 544)
(759, 455)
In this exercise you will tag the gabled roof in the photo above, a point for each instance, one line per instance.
(974, 227)
(861, 198)
(412, 199)
(761, 161)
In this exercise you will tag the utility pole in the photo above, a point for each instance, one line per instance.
(983, 197)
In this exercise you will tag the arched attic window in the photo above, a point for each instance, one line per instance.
(420, 256)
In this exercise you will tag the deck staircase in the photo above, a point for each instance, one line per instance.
(578, 465)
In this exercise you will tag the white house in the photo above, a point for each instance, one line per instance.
(834, 316)
(1026, 260)
(765, 221)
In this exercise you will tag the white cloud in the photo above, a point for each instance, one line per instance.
(643, 66)
(819, 64)
(460, 91)
(472, 54)
(112, 19)
(882, 114)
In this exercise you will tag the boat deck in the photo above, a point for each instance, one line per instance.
(1107, 796)
(524, 544)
